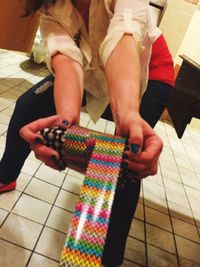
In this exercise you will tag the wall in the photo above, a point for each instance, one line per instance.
(175, 21)
(190, 45)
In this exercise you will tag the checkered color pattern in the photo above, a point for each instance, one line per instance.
(100, 155)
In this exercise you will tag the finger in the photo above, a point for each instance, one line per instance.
(141, 168)
(151, 172)
(151, 151)
(44, 151)
(30, 131)
(135, 139)
(53, 162)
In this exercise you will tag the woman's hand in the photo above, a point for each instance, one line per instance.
(145, 145)
(30, 133)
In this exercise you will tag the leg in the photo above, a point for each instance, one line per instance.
(152, 105)
(154, 101)
(30, 106)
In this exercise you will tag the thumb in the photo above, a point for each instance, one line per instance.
(136, 139)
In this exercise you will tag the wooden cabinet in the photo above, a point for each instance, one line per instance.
(185, 103)
(16, 33)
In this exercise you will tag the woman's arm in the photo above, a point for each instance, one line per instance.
(123, 76)
(68, 87)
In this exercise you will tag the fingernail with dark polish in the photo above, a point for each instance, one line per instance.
(135, 148)
(124, 164)
(125, 156)
(65, 122)
(127, 147)
(38, 140)
(53, 158)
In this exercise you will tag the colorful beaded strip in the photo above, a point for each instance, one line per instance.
(100, 155)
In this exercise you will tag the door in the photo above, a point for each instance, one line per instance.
(16, 33)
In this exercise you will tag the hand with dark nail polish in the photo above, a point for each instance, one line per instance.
(38, 140)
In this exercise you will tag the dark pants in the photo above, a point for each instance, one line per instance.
(31, 106)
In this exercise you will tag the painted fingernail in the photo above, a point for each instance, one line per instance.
(53, 158)
(38, 140)
(127, 147)
(125, 156)
(135, 148)
(65, 122)
(124, 164)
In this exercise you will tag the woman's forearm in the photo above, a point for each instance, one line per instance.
(123, 77)
(68, 86)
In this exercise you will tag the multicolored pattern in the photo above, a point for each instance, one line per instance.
(100, 155)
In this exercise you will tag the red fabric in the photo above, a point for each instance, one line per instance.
(161, 64)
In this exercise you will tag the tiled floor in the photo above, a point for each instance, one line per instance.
(35, 217)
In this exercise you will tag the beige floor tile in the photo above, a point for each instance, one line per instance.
(4, 119)
(32, 156)
(173, 175)
(151, 188)
(157, 179)
(139, 213)
(157, 218)
(185, 230)
(174, 186)
(50, 243)
(197, 217)
(160, 258)
(32, 209)
(4, 103)
(156, 203)
(11, 255)
(180, 212)
(22, 181)
(50, 175)
(76, 174)
(135, 251)
(66, 200)
(20, 231)
(167, 163)
(3, 88)
(8, 200)
(3, 128)
(40, 261)
(3, 214)
(11, 94)
(187, 263)
(177, 197)
(193, 181)
(194, 198)
(59, 219)
(184, 164)
(42, 190)
(2, 141)
(160, 238)
(137, 229)
(72, 184)
(186, 172)
(188, 249)
(30, 166)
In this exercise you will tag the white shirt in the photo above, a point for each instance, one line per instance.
(109, 20)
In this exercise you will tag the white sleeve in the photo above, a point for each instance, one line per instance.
(56, 39)
(129, 17)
